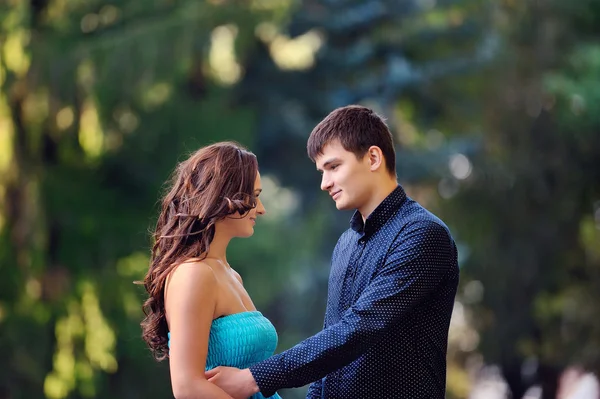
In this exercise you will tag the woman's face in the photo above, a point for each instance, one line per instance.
(236, 226)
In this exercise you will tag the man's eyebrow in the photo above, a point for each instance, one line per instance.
(329, 162)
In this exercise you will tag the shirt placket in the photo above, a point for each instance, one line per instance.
(349, 278)
(345, 303)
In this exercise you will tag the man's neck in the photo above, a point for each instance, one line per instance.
(381, 192)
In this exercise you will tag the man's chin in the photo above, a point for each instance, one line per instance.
(342, 206)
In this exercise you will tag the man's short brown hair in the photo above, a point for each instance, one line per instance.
(357, 128)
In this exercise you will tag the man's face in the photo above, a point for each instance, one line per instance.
(345, 178)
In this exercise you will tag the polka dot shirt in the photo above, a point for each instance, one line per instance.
(391, 292)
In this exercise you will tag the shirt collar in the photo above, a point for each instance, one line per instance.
(380, 215)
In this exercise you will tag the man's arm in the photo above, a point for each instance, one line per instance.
(419, 261)
(314, 390)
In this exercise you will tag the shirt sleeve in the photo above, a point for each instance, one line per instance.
(418, 262)
(314, 390)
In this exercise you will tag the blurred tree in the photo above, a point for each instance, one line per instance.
(528, 210)
(350, 52)
(99, 100)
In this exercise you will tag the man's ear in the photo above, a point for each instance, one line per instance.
(375, 157)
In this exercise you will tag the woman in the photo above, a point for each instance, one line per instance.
(198, 313)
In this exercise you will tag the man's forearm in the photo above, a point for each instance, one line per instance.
(311, 360)
(314, 390)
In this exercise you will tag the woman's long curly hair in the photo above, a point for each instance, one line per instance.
(213, 183)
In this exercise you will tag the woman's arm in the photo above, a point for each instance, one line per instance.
(190, 302)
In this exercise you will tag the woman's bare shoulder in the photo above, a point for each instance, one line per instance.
(196, 271)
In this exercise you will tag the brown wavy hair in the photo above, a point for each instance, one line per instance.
(214, 182)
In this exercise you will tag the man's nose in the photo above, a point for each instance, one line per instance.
(325, 183)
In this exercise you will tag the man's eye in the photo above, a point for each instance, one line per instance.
(334, 167)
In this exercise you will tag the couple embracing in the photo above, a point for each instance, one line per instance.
(391, 290)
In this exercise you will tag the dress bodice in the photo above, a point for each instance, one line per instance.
(240, 340)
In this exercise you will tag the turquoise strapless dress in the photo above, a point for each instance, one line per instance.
(240, 340)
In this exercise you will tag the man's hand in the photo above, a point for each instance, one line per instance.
(237, 383)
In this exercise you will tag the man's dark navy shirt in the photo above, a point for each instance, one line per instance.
(391, 293)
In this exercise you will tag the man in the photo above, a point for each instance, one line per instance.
(392, 285)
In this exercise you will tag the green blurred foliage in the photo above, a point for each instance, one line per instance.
(99, 101)
(529, 209)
